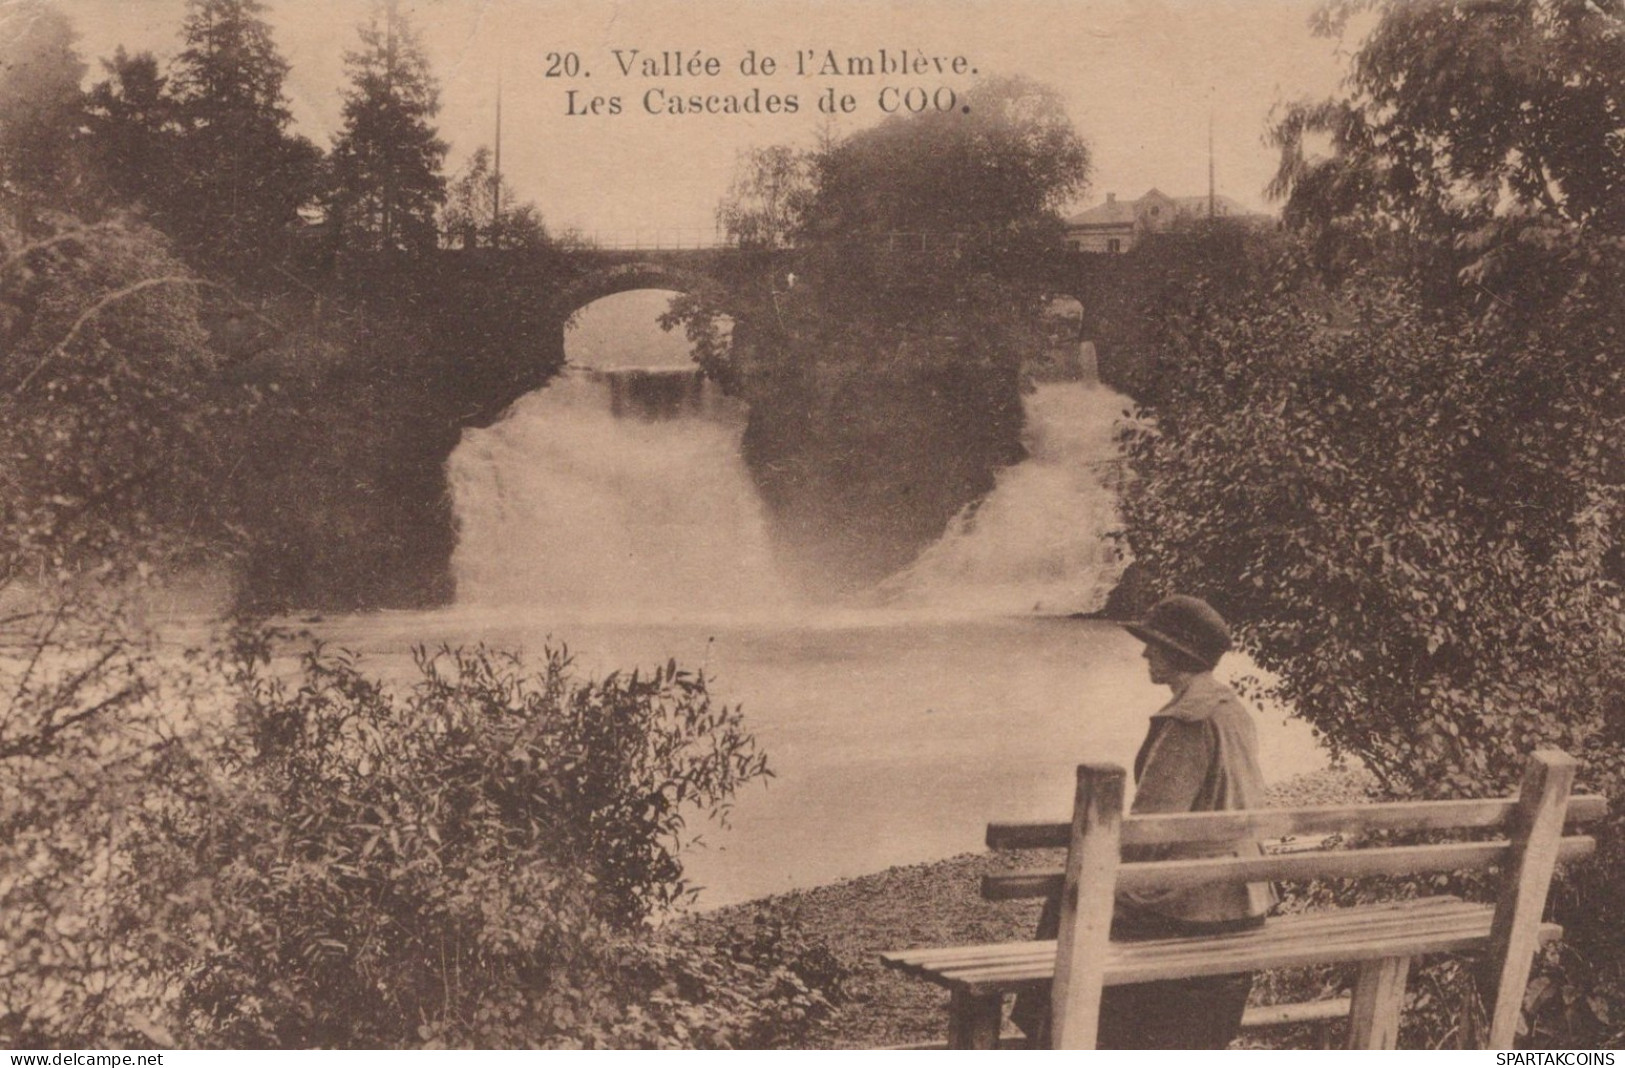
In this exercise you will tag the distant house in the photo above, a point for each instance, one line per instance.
(1117, 225)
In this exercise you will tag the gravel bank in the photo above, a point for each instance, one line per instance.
(934, 904)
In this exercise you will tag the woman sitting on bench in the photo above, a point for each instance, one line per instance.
(1200, 755)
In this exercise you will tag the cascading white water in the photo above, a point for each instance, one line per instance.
(612, 494)
(1040, 541)
(621, 494)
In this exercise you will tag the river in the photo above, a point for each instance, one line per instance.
(893, 738)
(611, 512)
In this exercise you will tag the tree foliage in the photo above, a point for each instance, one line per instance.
(1410, 523)
(772, 188)
(113, 413)
(469, 848)
(114, 428)
(1393, 456)
(40, 102)
(242, 176)
(386, 180)
(1480, 141)
(892, 297)
(1009, 161)
(131, 127)
(482, 209)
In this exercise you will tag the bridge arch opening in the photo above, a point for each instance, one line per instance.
(619, 488)
(620, 278)
(622, 330)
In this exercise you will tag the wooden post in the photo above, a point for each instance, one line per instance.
(1536, 828)
(1086, 906)
(974, 1019)
(1379, 994)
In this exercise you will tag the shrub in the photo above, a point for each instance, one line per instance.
(474, 860)
(1444, 579)
(1412, 520)
(111, 446)
(461, 864)
(94, 911)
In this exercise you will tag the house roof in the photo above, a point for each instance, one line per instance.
(1111, 213)
(1115, 212)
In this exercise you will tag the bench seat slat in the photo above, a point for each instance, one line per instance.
(1323, 924)
(996, 979)
(1354, 863)
(1163, 829)
(1219, 959)
(1306, 938)
(1318, 925)
(1142, 967)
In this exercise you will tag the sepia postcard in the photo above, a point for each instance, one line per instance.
(614, 408)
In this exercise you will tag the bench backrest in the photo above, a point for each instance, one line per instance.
(1534, 842)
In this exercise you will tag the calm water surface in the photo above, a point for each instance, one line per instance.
(893, 738)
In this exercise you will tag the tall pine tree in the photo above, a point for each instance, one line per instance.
(243, 176)
(131, 122)
(386, 177)
(40, 103)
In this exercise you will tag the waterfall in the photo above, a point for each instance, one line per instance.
(622, 495)
(612, 494)
(1040, 540)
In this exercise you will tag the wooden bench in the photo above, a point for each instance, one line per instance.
(1381, 939)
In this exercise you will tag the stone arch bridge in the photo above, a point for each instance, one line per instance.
(492, 325)
(532, 295)
(565, 280)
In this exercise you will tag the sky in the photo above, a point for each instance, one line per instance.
(1141, 80)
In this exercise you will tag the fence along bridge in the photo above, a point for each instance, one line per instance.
(694, 239)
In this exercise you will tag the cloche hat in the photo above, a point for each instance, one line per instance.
(1188, 624)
